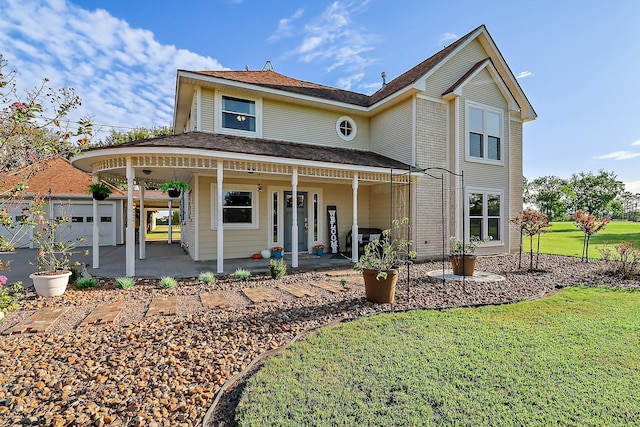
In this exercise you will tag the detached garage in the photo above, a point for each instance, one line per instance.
(67, 190)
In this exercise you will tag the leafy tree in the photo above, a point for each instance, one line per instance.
(531, 223)
(117, 137)
(589, 226)
(549, 194)
(595, 194)
(31, 130)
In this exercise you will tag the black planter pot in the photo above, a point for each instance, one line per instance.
(99, 196)
(173, 193)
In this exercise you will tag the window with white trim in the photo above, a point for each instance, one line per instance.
(484, 133)
(484, 215)
(238, 115)
(239, 207)
(346, 128)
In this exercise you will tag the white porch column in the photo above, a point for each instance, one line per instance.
(220, 225)
(170, 236)
(142, 227)
(294, 218)
(96, 229)
(131, 223)
(355, 243)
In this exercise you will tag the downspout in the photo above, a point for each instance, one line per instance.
(355, 243)
(96, 229)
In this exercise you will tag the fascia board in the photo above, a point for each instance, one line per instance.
(84, 160)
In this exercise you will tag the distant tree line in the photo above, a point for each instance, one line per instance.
(601, 195)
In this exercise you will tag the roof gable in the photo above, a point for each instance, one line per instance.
(485, 64)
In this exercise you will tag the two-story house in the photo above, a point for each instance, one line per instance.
(275, 161)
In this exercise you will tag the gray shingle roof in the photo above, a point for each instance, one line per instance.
(268, 148)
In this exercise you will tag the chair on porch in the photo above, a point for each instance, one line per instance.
(365, 235)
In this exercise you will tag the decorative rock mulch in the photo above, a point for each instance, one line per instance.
(165, 370)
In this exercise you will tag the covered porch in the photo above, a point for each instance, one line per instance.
(272, 194)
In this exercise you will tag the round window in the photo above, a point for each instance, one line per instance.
(346, 128)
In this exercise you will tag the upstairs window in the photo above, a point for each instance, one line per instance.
(238, 114)
(484, 134)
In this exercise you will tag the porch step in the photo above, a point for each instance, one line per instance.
(103, 314)
(216, 299)
(258, 295)
(165, 306)
(40, 321)
(297, 290)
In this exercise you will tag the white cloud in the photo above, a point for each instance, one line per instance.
(124, 76)
(446, 38)
(333, 39)
(285, 26)
(523, 74)
(635, 143)
(618, 155)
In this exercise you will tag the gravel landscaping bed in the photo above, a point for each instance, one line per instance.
(165, 370)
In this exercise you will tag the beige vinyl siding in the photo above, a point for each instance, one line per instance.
(515, 164)
(431, 151)
(296, 123)
(208, 113)
(391, 132)
(482, 89)
(455, 67)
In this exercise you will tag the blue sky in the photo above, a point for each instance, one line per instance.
(577, 61)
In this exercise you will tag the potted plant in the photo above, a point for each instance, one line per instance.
(174, 188)
(319, 249)
(99, 190)
(277, 251)
(463, 255)
(54, 256)
(380, 263)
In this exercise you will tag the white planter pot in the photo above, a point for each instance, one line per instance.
(50, 284)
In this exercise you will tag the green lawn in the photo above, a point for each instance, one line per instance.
(570, 359)
(161, 233)
(566, 239)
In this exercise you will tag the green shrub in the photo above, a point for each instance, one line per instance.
(125, 282)
(277, 268)
(242, 274)
(206, 277)
(168, 283)
(343, 283)
(9, 295)
(86, 283)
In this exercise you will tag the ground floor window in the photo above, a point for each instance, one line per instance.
(484, 214)
(239, 207)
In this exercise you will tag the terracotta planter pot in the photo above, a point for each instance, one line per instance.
(50, 284)
(463, 266)
(381, 291)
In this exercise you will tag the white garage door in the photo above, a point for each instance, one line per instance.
(81, 214)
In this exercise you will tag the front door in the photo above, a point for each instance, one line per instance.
(303, 225)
